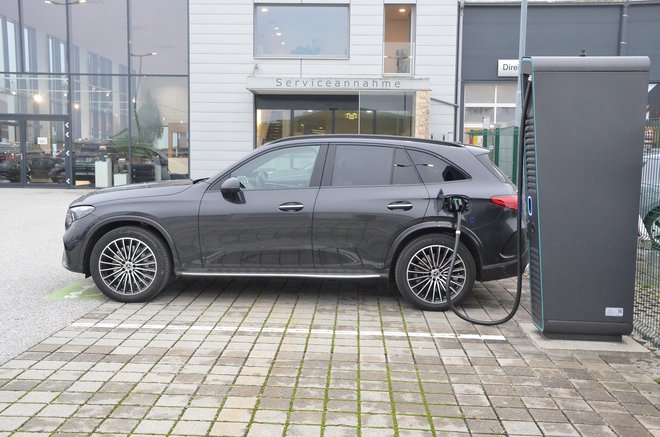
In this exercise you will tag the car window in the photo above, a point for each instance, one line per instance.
(280, 169)
(433, 169)
(372, 165)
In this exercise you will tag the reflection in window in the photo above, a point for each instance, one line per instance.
(387, 113)
(9, 36)
(159, 118)
(365, 165)
(33, 94)
(279, 169)
(303, 31)
(312, 122)
(398, 39)
(433, 169)
(166, 35)
(42, 22)
(99, 30)
(99, 108)
(272, 124)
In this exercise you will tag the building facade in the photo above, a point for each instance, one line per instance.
(260, 71)
(103, 93)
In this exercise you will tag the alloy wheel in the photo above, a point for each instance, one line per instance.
(127, 266)
(427, 272)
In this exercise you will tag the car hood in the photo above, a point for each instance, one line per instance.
(126, 192)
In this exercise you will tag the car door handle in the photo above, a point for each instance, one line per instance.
(402, 205)
(291, 206)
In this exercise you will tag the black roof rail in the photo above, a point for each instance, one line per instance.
(368, 136)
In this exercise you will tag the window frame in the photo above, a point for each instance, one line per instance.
(331, 160)
(298, 56)
(314, 181)
(413, 38)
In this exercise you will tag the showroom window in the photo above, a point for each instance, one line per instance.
(383, 113)
(301, 31)
(116, 78)
(398, 39)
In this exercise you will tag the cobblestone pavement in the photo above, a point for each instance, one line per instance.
(306, 358)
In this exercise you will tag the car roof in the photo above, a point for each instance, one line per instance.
(365, 138)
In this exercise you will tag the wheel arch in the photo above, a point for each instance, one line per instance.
(106, 226)
(468, 238)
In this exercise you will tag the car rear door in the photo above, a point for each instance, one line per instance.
(369, 195)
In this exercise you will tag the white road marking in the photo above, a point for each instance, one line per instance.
(313, 331)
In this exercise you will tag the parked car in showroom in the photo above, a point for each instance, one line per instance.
(333, 206)
(10, 164)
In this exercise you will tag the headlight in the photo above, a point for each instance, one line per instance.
(76, 213)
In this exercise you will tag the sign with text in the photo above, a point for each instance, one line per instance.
(311, 84)
(507, 67)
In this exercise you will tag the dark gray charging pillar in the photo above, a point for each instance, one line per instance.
(584, 137)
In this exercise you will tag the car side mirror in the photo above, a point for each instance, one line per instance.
(230, 186)
(231, 190)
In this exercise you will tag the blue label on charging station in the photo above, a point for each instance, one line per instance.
(529, 205)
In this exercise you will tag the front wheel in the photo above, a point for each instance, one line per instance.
(422, 268)
(130, 264)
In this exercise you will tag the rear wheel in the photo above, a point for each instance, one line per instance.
(422, 269)
(130, 264)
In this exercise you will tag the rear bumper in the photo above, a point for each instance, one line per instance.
(503, 270)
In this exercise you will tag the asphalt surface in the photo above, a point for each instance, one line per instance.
(31, 228)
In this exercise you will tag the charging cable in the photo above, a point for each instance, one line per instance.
(460, 205)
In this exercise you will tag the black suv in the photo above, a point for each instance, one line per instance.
(334, 206)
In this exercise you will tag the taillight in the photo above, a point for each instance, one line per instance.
(510, 201)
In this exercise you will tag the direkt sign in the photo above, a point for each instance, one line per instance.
(301, 85)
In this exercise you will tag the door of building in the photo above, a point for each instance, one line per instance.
(35, 150)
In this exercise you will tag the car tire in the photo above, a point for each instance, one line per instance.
(422, 268)
(130, 264)
(652, 224)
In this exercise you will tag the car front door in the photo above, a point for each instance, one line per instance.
(267, 225)
(369, 195)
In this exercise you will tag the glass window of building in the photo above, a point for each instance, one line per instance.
(100, 37)
(150, 35)
(159, 111)
(398, 44)
(9, 37)
(44, 31)
(387, 113)
(489, 105)
(301, 31)
(368, 113)
(33, 94)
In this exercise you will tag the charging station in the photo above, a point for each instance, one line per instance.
(583, 143)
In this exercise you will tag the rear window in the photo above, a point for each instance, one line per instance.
(433, 169)
(485, 160)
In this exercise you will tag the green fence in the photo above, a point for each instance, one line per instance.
(503, 143)
(647, 293)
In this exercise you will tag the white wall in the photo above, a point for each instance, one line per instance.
(221, 60)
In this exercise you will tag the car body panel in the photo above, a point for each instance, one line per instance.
(254, 233)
